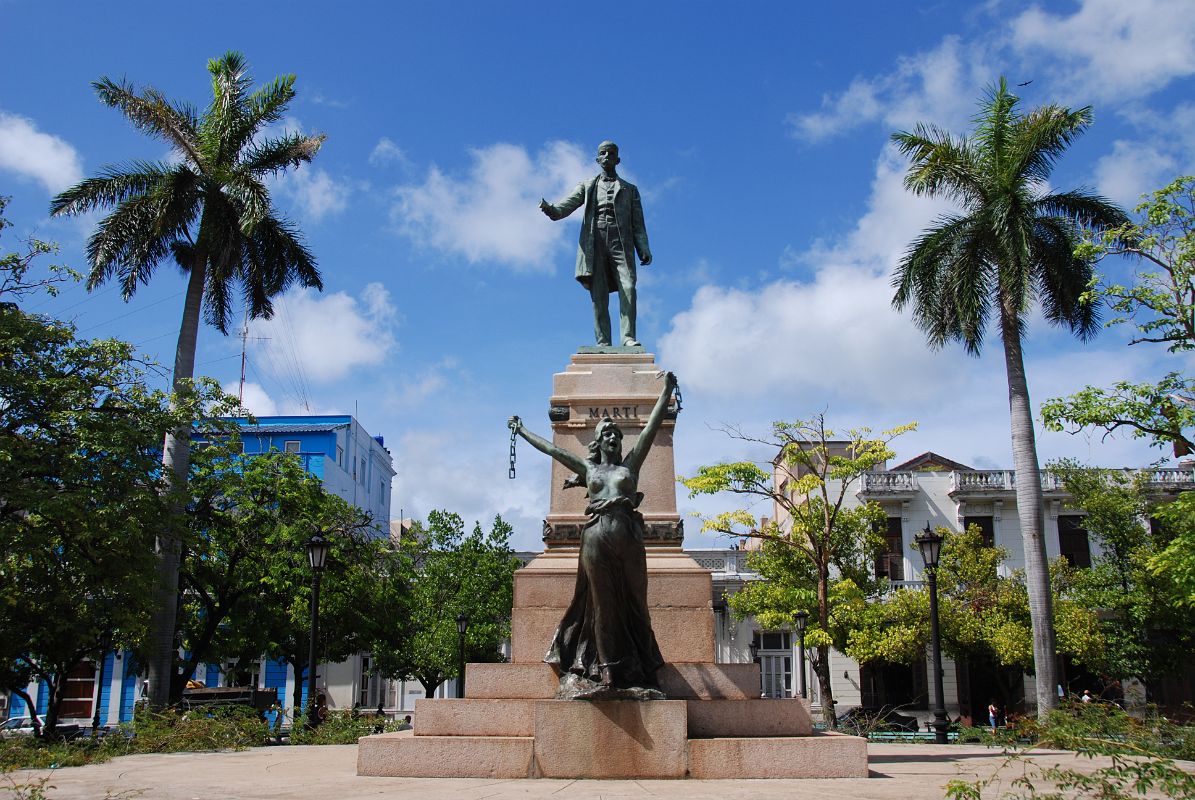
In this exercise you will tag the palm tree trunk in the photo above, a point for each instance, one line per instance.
(1029, 509)
(176, 462)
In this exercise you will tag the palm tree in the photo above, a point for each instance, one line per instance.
(209, 209)
(1012, 245)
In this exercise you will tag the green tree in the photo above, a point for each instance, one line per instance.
(354, 601)
(450, 573)
(1160, 304)
(16, 280)
(984, 615)
(209, 210)
(1012, 245)
(1144, 619)
(79, 494)
(829, 544)
(247, 519)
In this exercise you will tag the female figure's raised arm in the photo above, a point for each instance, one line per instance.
(634, 459)
(573, 462)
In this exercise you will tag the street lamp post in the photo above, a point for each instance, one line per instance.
(802, 619)
(930, 545)
(317, 557)
(462, 625)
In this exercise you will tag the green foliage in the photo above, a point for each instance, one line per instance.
(1160, 304)
(815, 556)
(16, 280)
(244, 571)
(1176, 562)
(1135, 758)
(984, 617)
(208, 208)
(450, 573)
(1144, 624)
(216, 728)
(80, 434)
(341, 727)
(221, 728)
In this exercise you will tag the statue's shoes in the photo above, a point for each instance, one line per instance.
(631, 343)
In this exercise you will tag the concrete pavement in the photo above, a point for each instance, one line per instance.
(898, 772)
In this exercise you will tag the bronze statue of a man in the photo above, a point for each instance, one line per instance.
(612, 232)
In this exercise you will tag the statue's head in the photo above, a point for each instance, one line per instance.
(608, 154)
(607, 442)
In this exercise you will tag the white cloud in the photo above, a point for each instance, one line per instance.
(255, 398)
(938, 85)
(447, 469)
(316, 193)
(40, 156)
(491, 213)
(387, 152)
(1165, 148)
(1106, 50)
(1110, 49)
(1132, 169)
(322, 338)
(833, 336)
(425, 384)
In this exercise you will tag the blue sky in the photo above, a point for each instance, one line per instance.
(757, 133)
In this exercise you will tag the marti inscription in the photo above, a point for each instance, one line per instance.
(614, 412)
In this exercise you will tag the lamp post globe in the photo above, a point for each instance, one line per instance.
(930, 545)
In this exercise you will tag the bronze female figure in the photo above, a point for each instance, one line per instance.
(604, 647)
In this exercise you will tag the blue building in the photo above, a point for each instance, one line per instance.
(351, 464)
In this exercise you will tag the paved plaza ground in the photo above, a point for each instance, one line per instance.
(898, 772)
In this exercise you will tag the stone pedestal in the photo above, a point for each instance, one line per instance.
(714, 725)
(623, 386)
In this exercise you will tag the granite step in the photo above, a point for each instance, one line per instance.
(823, 755)
(406, 755)
(758, 718)
(679, 681)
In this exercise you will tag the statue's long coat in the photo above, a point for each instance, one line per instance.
(628, 210)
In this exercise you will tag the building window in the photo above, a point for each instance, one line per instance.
(987, 528)
(340, 456)
(775, 663)
(292, 445)
(247, 675)
(1072, 540)
(80, 692)
(362, 476)
(890, 563)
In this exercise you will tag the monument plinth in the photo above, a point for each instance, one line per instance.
(713, 724)
(621, 384)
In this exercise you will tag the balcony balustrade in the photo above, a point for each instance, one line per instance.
(888, 483)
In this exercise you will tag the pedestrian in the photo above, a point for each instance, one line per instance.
(405, 725)
(1086, 698)
(993, 714)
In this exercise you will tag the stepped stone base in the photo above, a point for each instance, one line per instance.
(714, 724)
(520, 738)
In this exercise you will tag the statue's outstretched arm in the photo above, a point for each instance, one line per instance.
(634, 459)
(566, 206)
(570, 460)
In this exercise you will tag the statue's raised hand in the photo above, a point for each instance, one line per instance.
(515, 424)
